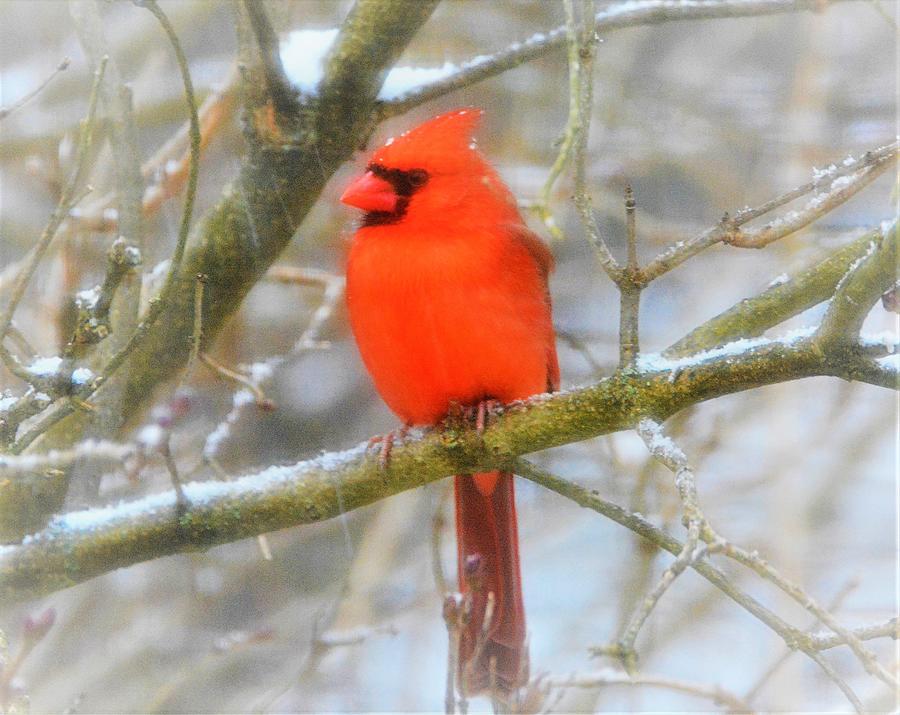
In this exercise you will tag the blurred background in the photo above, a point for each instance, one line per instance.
(701, 118)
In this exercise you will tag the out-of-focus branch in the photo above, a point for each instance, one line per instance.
(80, 545)
(616, 17)
(19, 103)
(715, 694)
(119, 301)
(169, 167)
(580, 82)
(97, 452)
(888, 629)
(69, 198)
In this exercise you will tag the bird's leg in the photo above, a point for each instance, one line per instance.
(386, 443)
(484, 411)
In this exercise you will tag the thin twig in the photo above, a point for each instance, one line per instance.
(630, 288)
(665, 451)
(161, 302)
(197, 337)
(235, 376)
(98, 452)
(573, 126)
(66, 201)
(792, 636)
(769, 672)
(888, 629)
(438, 523)
(584, 103)
(61, 67)
(717, 695)
(841, 191)
(728, 228)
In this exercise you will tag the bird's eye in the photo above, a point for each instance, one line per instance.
(417, 177)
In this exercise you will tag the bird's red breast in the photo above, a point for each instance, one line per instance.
(447, 288)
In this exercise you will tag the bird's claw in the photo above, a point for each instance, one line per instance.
(482, 413)
(386, 444)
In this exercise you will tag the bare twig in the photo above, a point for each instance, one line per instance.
(97, 452)
(18, 104)
(841, 190)
(238, 377)
(728, 228)
(169, 168)
(68, 198)
(888, 629)
(776, 665)
(630, 288)
(664, 450)
(715, 694)
(437, 531)
(793, 637)
(575, 38)
(158, 305)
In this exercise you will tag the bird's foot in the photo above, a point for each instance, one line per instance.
(385, 444)
(482, 414)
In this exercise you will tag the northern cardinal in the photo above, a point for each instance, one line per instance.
(448, 301)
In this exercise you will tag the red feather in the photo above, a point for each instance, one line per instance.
(448, 300)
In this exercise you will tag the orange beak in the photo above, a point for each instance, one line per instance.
(371, 193)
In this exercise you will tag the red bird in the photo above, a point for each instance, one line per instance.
(448, 300)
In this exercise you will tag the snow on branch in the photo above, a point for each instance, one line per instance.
(425, 85)
(865, 281)
(78, 546)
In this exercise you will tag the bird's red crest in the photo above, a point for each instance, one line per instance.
(441, 143)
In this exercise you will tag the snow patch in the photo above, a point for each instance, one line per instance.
(655, 362)
(303, 55)
(198, 494)
(45, 366)
(82, 376)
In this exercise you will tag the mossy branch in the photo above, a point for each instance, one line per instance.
(81, 545)
(751, 317)
(240, 237)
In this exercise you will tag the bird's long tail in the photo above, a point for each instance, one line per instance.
(492, 650)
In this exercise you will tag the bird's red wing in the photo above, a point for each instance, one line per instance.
(545, 263)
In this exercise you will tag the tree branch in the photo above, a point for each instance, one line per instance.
(753, 316)
(866, 279)
(80, 545)
(616, 17)
(258, 214)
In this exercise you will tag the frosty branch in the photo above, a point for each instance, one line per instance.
(80, 545)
